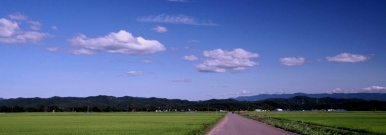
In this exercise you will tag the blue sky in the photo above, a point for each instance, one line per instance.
(191, 49)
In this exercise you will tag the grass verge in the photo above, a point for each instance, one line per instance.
(304, 127)
(209, 127)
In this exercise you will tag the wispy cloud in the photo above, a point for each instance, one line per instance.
(82, 51)
(347, 57)
(18, 16)
(176, 19)
(120, 42)
(241, 93)
(178, 0)
(244, 92)
(54, 28)
(190, 57)
(174, 48)
(147, 61)
(371, 89)
(52, 49)
(193, 41)
(160, 29)
(182, 80)
(292, 61)
(134, 73)
(221, 60)
(35, 25)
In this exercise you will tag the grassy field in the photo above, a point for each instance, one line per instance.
(360, 122)
(107, 123)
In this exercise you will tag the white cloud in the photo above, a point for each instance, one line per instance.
(82, 51)
(134, 72)
(160, 29)
(347, 57)
(10, 31)
(147, 61)
(52, 49)
(182, 80)
(190, 57)
(222, 60)
(120, 42)
(176, 19)
(292, 61)
(375, 89)
(8, 28)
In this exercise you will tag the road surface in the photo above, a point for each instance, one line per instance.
(234, 124)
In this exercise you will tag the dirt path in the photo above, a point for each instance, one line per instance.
(234, 124)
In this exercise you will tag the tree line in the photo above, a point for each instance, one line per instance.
(128, 104)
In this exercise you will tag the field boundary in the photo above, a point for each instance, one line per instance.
(304, 127)
(109, 123)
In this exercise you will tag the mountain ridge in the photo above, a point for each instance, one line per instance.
(364, 96)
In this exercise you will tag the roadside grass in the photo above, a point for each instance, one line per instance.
(107, 123)
(325, 123)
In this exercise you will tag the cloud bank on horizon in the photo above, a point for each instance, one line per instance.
(175, 52)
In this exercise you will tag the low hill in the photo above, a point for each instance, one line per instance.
(104, 103)
(364, 96)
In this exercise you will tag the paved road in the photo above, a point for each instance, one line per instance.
(234, 124)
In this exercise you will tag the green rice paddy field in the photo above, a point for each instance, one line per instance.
(107, 123)
(370, 122)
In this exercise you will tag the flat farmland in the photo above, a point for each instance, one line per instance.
(107, 123)
(361, 122)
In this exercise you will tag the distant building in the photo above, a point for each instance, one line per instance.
(279, 110)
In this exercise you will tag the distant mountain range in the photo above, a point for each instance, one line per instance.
(2, 99)
(103, 103)
(364, 96)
